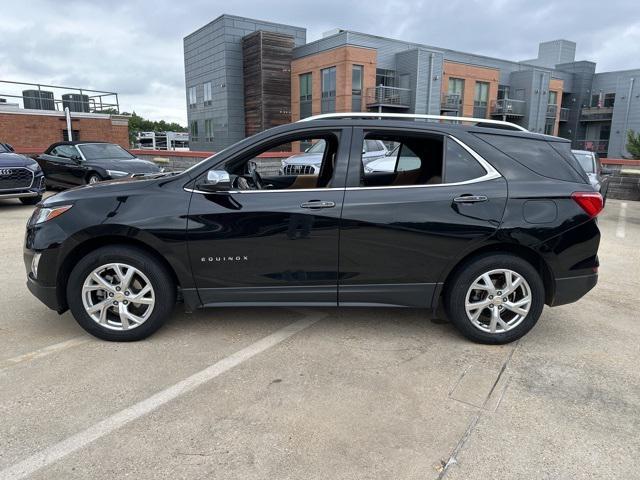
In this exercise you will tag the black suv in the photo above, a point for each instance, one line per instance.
(490, 221)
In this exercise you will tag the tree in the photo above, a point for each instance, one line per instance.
(633, 144)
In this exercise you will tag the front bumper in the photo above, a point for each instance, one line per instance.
(36, 189)
(47, 295)
(572, 289)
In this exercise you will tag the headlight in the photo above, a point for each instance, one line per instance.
(368, 169)
(283, 163)
(117, 173)
(44, 214)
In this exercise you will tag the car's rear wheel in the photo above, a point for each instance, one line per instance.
(30, 200)
(93, 178)
(495, 298)
(120, 293)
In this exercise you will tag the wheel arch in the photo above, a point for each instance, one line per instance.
(527, 254)
(82, 249)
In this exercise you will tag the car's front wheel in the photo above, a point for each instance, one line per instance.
(93, 178)
(495, 299)
(120, 293)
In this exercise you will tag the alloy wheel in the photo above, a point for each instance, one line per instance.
(118, 296)
(498, 301)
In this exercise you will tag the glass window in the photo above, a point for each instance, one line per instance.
(455, 86)
(306, 95)
(459, 164)
(586, 161)
(208, 130)
(192, 97)
(553, 97)
(193, 131)
(293, 168)
(609, 99)
(98, 151)
(328, 90)
(64, 151)
(503, 91)
(385, 77)
(207, 94)
(416, 160)
(480, 100)
(595, 100)
(356, 88)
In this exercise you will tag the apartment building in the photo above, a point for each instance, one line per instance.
(350, 71)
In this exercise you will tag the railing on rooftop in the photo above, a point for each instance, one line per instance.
(598, 146)
(508, 107)
(382, 96)
(38, 96)
(451, 102)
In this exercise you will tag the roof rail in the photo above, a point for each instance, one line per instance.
(413, 116)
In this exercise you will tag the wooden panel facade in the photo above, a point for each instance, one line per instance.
(267, 80)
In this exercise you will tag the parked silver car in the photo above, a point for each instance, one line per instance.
(597, 175)
(308, 162)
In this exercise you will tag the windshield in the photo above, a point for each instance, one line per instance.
(99, 151)
(586, 161)
(3, 149)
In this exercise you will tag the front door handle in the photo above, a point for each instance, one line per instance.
(470, 199)
(313, 204)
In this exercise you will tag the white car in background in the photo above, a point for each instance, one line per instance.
(308, 162)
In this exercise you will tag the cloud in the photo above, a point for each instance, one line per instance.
(134, 47)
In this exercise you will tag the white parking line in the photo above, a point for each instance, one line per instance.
(43, 352)
(75, 442)
(622, 221)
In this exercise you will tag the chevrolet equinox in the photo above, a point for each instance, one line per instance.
(482, 217)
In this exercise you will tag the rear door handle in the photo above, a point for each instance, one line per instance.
(470, 199)
(317, 204)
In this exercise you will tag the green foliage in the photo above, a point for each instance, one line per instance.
(633, 144)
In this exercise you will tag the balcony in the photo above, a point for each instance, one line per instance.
(552, 109)
(564, 114)
(596, 114)
(393, 97)
(450, 102)
(598, 146)
(507, 107)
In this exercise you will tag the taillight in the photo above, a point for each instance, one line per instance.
(591, 202)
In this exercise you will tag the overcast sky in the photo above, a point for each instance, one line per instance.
(134, 47)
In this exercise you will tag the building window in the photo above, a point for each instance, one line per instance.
(480, 100)
(609, 99)
(306, 94)
(553, 97)
(208, 130)
(207, 94)
(385, 77)
(503, 92)
(192, 97)
(455, 91)
(356, 88)
(193, 131)
(328, 90)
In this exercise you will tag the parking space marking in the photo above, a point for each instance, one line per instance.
(75, 442)
(43, 352)
(622, 221)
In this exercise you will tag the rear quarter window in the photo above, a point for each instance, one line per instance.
(539, 156)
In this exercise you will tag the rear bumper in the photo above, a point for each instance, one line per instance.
(572, 289)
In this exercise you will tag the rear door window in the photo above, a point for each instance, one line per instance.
(459, 164)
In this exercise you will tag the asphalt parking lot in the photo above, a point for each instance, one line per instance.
(323, 393)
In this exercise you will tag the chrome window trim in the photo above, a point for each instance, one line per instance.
(491, 174)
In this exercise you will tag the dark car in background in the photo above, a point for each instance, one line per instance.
(598, 176)
(20, 177)
(69, 164)
(493, 223)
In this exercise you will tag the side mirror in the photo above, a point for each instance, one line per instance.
(216, 181)
(76, 158)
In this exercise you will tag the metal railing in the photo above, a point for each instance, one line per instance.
(508, 107)
(596, 114)
(552, 109)
(451, 102)
(564, 114)
(388, 96)
(598, 146)
(43, 97)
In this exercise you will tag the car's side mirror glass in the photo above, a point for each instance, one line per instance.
(76, 158)
(216, 181)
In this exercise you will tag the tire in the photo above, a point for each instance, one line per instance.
(110, 263)
(30, 200)
(93, 178)
(476, 324)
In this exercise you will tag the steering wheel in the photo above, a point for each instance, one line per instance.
(255, 176)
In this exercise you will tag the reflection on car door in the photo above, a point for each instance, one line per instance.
(61, 168)
(269, 247)
(399, 233)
